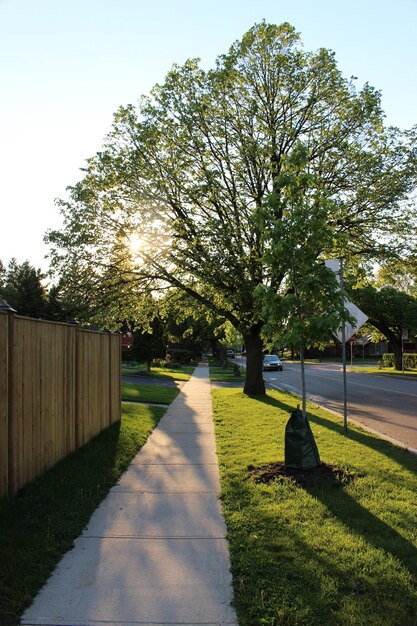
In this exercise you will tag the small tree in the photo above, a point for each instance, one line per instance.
(309, 306)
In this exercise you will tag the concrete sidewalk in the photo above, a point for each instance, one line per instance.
(154, 552)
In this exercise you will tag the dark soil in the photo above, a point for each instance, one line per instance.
(336, 476)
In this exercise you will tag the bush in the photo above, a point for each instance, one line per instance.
(410, 360)
(388, 359)
(168, 364)
(182, 356)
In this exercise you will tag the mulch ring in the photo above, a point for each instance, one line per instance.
(336, 476)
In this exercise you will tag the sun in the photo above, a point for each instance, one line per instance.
(136, 244)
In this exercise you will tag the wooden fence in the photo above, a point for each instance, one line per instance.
(59, 387)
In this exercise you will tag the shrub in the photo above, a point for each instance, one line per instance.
(388, 359)
(410, 360)
(174, 364)
(182, 356)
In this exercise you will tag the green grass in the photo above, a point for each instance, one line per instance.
(177, 373)
(320, 555)
(388, 371)
(224, 374)
(40, 524)
(148, 393)
(219, 373)
(180, 372)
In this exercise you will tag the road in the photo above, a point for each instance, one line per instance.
(387, 405)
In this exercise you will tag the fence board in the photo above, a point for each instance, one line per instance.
(4, 400)
(115, 379)
(59, 387)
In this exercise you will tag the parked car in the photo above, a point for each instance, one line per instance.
(272, 362)
(230, 354)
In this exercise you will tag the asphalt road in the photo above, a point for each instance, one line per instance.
(387, 405)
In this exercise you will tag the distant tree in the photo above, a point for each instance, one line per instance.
(58, 308)
(23, 289)
(400, 274)
(148, 343)
(3, 273)
(188, 326)
(391, 311)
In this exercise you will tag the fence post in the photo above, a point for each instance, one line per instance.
(119, 382)
(4, 399)
(110, 379)
(11, 470)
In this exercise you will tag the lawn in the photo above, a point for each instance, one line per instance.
(389, 371)
(178, 372)
(319, 554)
(148, 393)
(220, 373)
(40, 524)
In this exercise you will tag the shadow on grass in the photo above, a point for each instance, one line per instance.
(361, 521)
(40, 524)
(354, 434)
(287, 580)
(321, 555)
(283, 574)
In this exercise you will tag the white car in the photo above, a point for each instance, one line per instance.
(272, 362)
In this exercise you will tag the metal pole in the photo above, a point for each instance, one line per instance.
(303, 379)
(402, 350)
(345, 425)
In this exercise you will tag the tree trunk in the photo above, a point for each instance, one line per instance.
(254, 381)
(397, 348)
(398, 354)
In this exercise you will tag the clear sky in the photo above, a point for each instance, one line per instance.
(67, 65)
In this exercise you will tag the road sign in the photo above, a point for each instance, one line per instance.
(360, 317)
(350, 329)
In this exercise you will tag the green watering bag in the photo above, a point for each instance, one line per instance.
(300, 447)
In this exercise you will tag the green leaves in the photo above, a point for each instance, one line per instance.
(239, 181)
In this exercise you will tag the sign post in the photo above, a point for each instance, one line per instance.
(351, 341)
(404, 336)
(336, 265)
(342, 287)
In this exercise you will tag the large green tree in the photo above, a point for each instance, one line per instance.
(187, 190)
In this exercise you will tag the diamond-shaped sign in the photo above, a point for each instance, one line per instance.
(350, 329)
